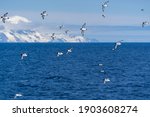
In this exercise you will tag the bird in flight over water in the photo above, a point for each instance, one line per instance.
(118, 43)
(83, 29)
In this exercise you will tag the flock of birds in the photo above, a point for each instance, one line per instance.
(83, 28)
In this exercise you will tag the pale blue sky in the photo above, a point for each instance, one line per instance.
(75, 12)
(126, 11)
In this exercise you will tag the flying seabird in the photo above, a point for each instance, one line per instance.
(66, 32)
(104, 5)
(43, 14)
(106, 80)
(83, 29)
(142, 9)
(118, 43)
(23, 55)
(53, 36)
(103, 16)
(18, 95)
(4, 17)
(69, 51)
(59, 54)
(60, 27)
(144, 23)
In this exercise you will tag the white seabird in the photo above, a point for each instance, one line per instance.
(104, 5)
(18, 95)
(4, 17)
(43, 14)
(69, 51)
(23, 55)
(83, 29)
(144, 23)
(59, 54)
(100, 64)
(106, 80)
(118, 43)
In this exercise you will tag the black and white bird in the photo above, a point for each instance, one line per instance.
(66, 32)
(61, 26)
(43, 14)
(104, 5)
(4, 17)
(83, 29)
(106, 80)
(145, 23)
(69, 50)
(53, 36)
(23, 55)
(118, 43)
(59, 54)
(103, 16)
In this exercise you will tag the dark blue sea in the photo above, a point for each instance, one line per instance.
(75, 76)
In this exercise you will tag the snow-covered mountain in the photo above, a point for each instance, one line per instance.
(35, 36)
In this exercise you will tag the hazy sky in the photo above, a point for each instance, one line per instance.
(76, 12)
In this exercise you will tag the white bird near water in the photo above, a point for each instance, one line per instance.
(23, 55)
(106, 80)
(118, 43)
(69, 50)
(59, 54)
(18, 95)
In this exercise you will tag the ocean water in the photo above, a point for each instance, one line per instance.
(76, 76)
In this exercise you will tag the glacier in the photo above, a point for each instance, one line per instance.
(36, 36)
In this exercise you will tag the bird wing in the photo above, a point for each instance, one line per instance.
(103, 15)
(83, 26)
(143, 24)
(3, 20)
(105, 3)
(116, 46)
(5, 15)
(103, 8)
(44, 12)
(43, 16)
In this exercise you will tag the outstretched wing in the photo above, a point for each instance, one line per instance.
(3, 20)
(44, 12)
(103, 8)
(105, 3)
(5, 15)
(43, 17)
(83, 26)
